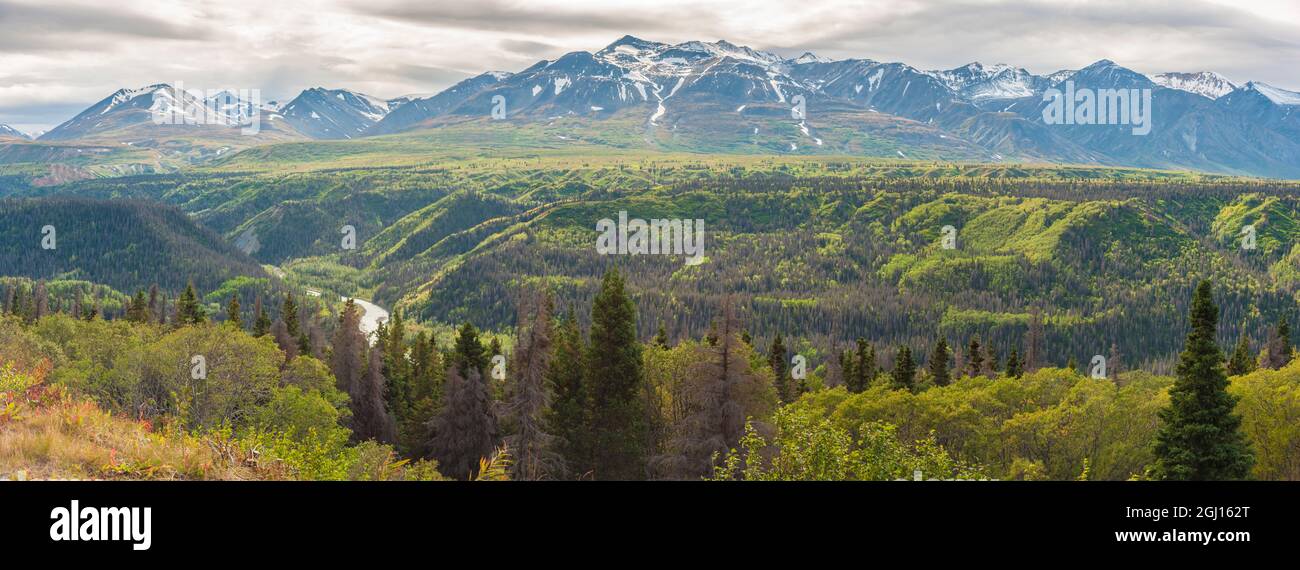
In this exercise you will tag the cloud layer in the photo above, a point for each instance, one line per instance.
(58, 56)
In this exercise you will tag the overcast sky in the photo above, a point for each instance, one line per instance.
(59, 56)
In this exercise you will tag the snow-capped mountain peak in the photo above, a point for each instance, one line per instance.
(810, 57)
(7, 131)
(1277, 95)
(978, 82)
(1204, 83)
(335, 113)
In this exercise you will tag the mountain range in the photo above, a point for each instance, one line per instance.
(8, 132)
(722, 97)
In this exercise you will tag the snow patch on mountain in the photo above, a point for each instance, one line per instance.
(1276, 95)
(1203, 83)
(10, 132)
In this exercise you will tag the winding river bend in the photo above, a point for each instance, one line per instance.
(371, 316)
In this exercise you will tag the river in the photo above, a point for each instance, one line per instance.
(371, 316)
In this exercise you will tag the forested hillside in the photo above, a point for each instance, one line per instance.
(120, 243)
(819, 249)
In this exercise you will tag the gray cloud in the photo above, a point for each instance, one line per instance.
(29, 27)
(502, 15)
(60, 56)
(1188, 35)
(528, 48)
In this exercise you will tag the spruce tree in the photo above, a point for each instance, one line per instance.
(532, 448)
(397, 369)
(469, 353)
(567, 418)
(137, 311)
(348, 358)
(939, 363)
(661, 338)
(615, 384)
(776, 358)
(1200, 437)
(1241, 362)
(465, 430)
(370, 417)
(904, 375)
(834, 371)
(1279, 345)
(232, 312)
(1015, 369)
(188, 309)
(425, 391)
(976, 363)
(289, 314)
(869, 364)
(864, 365)
(261, 321)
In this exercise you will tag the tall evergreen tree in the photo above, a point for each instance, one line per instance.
(567, 419)
(348, 359)
(137, 311)
(835, 372)
(776, 358)
(188, 309)
(976, 363)
(661, 338)
(426, 388)
(530, 446)
(469, 352)
(465, 430)
(864, 366)
(233, 315)
(261, 321)
(1279, 345)
(939, 363)
(1241, 362)
(289, 314)
(615, 382)
(397, 369)
(1200, 436)
(904, 375)
(1015, 369)
(370, 417)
